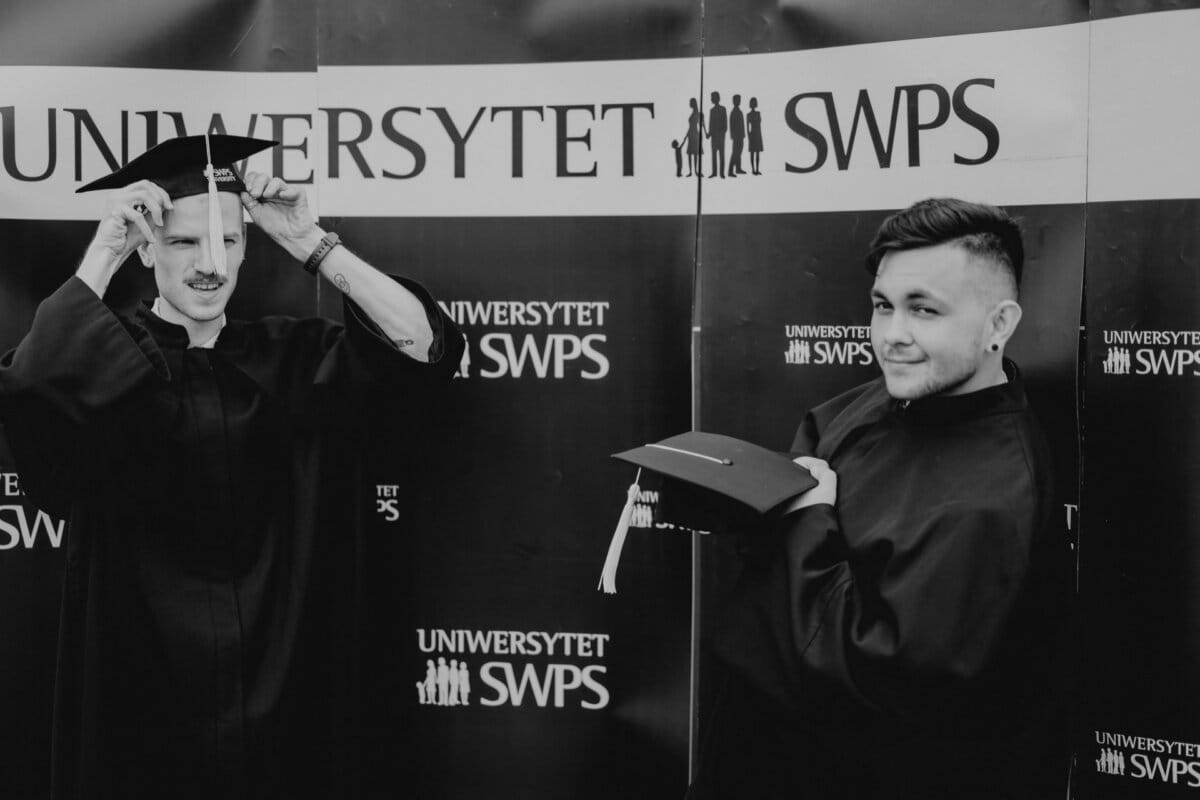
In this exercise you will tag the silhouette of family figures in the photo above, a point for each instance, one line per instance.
(735, 123)
(1117, 362)
(1111, 762)
(799, 352)
(445, 685)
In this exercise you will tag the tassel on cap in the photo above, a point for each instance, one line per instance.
(608, 577)
(216, 230)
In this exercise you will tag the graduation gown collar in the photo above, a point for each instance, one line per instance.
(166, 334)
(1000, 399)
(172, 336)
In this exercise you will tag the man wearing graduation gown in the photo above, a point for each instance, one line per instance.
(211, 476)
(897, 636)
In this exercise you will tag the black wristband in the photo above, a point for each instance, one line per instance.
(328, 242)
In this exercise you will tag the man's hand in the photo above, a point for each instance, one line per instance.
(281, 211)
(124, 227)
(826, 489)
(122, 230)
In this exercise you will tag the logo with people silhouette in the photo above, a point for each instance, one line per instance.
(1117, 362)
(740, 130)
(445, 684)
(798, 352)
(825, 345)
(1111, 762)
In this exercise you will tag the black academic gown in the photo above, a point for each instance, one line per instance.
(905, 643)
(207, 641)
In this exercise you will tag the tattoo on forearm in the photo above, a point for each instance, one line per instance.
(403, 342)
(339, 280)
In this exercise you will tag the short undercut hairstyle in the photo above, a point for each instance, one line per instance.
(982, 230)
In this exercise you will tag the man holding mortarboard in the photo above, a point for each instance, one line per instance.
(209, 470)
(897, 638)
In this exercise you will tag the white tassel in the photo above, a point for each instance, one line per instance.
(608, 577)
(216, 231)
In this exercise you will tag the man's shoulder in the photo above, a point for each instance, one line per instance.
(871, 393)
(1003, 451)
(857, 402)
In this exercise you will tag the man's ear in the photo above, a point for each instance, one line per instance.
(145, 252)
(1003, 322)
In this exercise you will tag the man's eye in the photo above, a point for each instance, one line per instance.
(180, 243)
(230, 242)
(880, 305)
(925, 311)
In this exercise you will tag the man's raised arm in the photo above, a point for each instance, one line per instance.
(123, 228)
(281, 210)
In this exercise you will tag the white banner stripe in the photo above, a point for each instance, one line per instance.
(1002, 117)
(1145, 116)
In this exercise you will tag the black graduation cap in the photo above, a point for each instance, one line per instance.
(187, 166)
(710, 482)
(180, 166)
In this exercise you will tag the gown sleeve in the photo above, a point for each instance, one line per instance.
(366, 354)
(77, 366)
(346, 375)
(296, 360)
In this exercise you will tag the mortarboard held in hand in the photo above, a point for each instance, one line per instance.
(711, 482)
(191, 165)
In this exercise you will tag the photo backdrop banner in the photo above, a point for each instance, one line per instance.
(534, 164)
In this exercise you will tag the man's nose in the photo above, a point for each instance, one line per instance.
(204, 260)
(895, 331)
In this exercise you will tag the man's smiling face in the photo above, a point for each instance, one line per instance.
(933, 308)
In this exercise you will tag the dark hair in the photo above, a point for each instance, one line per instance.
(980, 229)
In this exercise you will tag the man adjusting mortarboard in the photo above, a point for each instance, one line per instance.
(210, 470)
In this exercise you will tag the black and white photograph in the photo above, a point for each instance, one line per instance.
(693, 399)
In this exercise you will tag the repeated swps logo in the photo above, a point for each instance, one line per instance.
(1147, 758)
(647, 516)
(533, 339)
(1151, 352)
(546, 669)
(21, 526)
(817, 118)
(821, 345)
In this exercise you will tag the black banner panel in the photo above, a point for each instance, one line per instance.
(485, 546)
(1138, 591)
